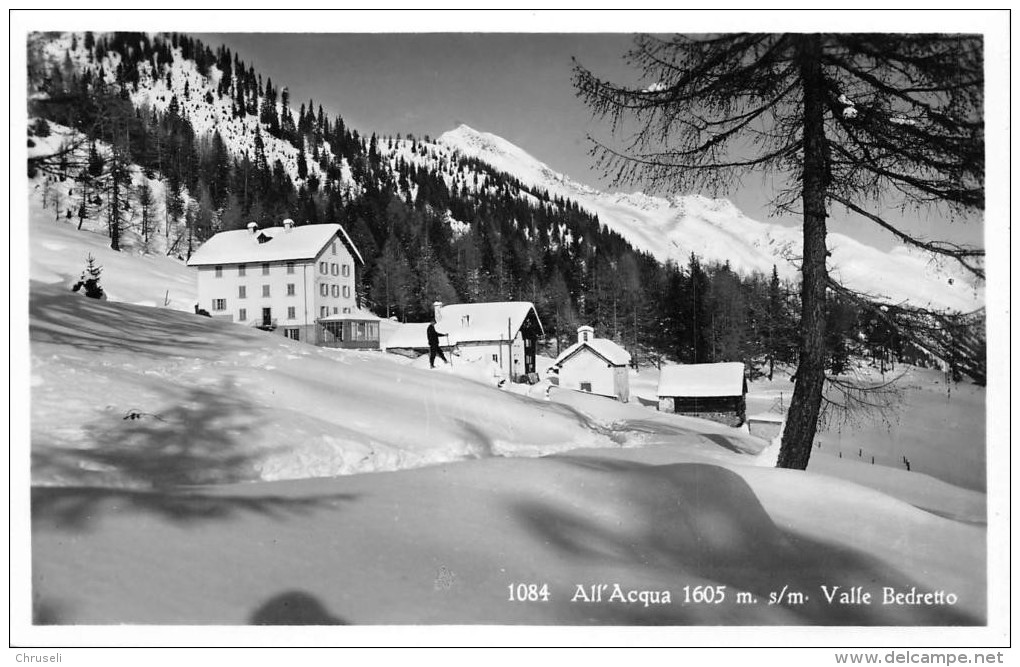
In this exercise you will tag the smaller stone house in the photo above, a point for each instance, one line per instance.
(594, 365)
(709, 391)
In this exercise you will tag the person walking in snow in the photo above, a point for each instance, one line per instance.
(434, 349)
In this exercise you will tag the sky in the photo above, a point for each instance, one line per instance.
(515, 85)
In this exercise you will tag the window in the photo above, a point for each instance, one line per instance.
(242, 269)
(291, 289)
(242, 292)
(334, 269)
(291, 312)
(324, 268)
(345, 270)
(265, 269)
(324, 311)
(347, 291)
(586, 386)
(334, 247)
(293, 334)
(290, 268)
(219, 304)
(373, 331)
(335, 310)
(242, 314)
(219, 271)
(495, 358)
(323, 289)
(265, 290)
(527, 343)
(336, 291)
(347, 311)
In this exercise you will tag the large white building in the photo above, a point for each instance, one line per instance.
(290, 279)
(594, 365)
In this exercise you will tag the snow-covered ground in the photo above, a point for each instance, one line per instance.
(938, 427)
(191, 471)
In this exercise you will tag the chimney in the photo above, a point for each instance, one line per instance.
(437, 308)
(288, 224)
(585, 333)
(253, 227)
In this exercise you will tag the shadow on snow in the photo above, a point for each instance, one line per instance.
(702, 524)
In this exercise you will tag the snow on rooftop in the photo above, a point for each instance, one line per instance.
(356, 314)
(466, 323)
(603, 347)
(240, 245)
(410, 336)
(700, 380)
(478, 322)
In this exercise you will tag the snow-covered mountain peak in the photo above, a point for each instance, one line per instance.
(474, 142)
(671, 228)
(503, 155)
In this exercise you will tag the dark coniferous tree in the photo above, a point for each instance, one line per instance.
(847, 119)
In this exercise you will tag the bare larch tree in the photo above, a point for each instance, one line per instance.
(869, 122)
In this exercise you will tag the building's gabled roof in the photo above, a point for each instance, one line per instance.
(467, 323)
(240, 246)
(603, 347)
(702, 380)
(482, 322)
(410, 336)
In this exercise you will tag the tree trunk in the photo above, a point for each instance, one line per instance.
(802, 419)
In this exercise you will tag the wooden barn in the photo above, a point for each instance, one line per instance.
(710, 391)
(504, 333)
(594, 365)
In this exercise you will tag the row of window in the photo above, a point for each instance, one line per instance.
(324, 311)
(325, 289)
(242, 291)
(242, 313)
(327, 268)
(359, 331)
(242, 269)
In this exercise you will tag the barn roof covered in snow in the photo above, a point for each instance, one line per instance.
(272, 244)
(603, 347)
(702, 380)
(479, 322)
(467, 323)
(411, 336)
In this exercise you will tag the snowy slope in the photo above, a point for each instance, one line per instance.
(443, 544)
(673, 228)
(183, 81)
(58, 253)
(157, 435)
